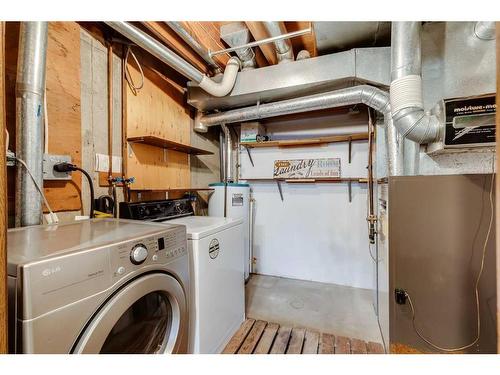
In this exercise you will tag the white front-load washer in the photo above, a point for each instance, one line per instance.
(216, 249)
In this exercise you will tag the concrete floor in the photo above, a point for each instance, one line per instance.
(329, 308)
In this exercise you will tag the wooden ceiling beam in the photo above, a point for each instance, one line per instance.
(165, 34)
(259, 32)
(307, 41)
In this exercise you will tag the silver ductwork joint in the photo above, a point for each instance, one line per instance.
(236, 34)
(364, 94)
(408, 113)
(30, 91)
(166, 55)
(284, 50)
(485, 30)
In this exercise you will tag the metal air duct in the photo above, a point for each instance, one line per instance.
(236, 34)
(166, 55)
(408, 112)
(30, 91)
(284, 50)
(365, 94)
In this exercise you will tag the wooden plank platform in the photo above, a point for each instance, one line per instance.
(260, 337)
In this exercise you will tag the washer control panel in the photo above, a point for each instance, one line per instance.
(130, 256)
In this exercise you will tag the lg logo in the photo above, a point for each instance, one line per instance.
(51, 271)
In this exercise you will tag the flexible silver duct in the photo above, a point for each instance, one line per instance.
(408, 113)
(158, 50)
(365, 94)
(194, 44)
(485, 30)
(30, 88)
(284, 50)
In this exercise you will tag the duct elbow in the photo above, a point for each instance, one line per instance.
(225, 86)
(416, 125)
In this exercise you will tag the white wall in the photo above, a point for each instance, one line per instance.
(315, 233)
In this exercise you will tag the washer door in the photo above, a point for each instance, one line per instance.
(148, 315)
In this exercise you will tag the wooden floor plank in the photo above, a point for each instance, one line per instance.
(267, 339)
(253, 337)
(375, 348)
(311, 341)
(358, 346)
(296, 341)
(281, 342)
(238, 338)
(326, 344)
(342, 345)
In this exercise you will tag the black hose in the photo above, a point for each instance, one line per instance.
(91, 187)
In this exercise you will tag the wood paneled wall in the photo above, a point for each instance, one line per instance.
(63, 106)
(157, 109)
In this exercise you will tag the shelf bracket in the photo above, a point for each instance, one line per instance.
(278, 182)
(349, 186)
(350, 149)
(249, 155)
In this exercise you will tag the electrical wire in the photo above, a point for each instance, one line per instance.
(53, 216)
(128, 76)
(91, 187)
(476, 288)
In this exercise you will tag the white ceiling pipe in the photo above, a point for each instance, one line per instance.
(284, 50)
(166, 55)
(408, 113)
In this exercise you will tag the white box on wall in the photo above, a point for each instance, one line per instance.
(250, 131)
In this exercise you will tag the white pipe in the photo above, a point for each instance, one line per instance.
(225, 86)
(166, 55)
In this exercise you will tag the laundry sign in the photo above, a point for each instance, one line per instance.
(307, 168)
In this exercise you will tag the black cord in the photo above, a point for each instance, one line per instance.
(67, 167)
(91, 187)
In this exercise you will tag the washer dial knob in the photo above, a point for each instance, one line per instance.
(138, 254)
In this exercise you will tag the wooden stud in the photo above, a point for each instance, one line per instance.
(375, 348)
(296, 341)
(259, 32)
(311, 342)
(3, 201)
(238, 338)
(267, 339)
(253, 337)
(307, 41)
(281, 342)
(326, 344)
(358, 346)
(342, 345)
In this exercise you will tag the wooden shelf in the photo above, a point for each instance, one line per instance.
(170, 145)
(308, 142)
(176, 189)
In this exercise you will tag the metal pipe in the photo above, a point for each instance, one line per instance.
(365, 94)
(228, 161)
(30, 87)
(485, 30)
(260, 42)
(408, 113)
(284, 50)
(236, 34)
(194, 44)
(166, 55)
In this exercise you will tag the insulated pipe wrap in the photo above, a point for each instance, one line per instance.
(406, 92)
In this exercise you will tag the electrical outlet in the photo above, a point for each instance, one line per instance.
(48, 167)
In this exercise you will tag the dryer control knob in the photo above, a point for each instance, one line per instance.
(138, 254)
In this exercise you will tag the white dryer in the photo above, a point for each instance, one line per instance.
(216, 248)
